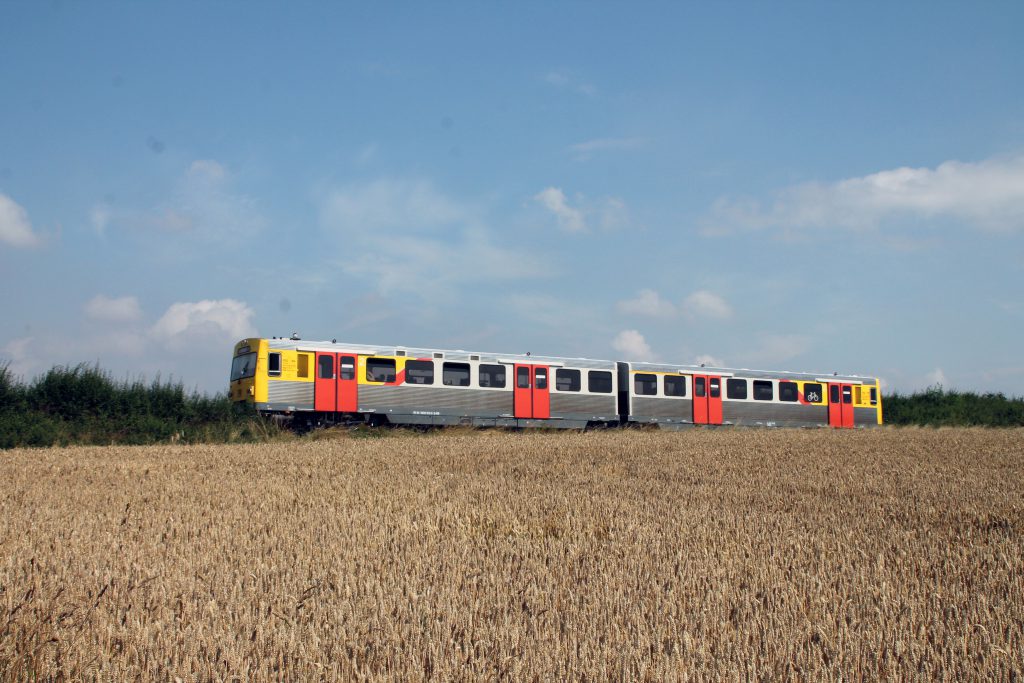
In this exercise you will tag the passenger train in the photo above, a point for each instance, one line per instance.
(316, 383)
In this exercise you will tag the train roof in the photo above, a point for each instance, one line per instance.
(750, 373)
(555, 361)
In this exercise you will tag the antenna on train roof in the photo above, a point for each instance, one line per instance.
(295, 336)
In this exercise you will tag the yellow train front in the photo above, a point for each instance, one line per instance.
(316, 383)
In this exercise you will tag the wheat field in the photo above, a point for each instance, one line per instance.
(628, 555)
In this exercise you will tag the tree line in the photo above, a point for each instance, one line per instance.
(84, 404)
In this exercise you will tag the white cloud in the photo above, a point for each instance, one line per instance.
(773, 349)
(393, 205)
(201, 205)
(647, 302)
(709, 360)
(121, 309)
(707, 304)
(207, 170)
(633, 345)
(554, 200)
(936, 378)
(100, 218)
(615, 215)
(563, 78)
(585, 150)
(15, 228)
(218, 321)
(18, 356)
(444, 244)
(988, 194)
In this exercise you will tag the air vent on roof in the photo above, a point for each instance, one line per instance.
(438, 354)
(474, 357)
(399, 353)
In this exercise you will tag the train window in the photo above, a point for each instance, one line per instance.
(380, 369)
(599, 382)
(541, 376)
(698, 387)
(325, 367)
(455, 374)
(243, 366)
(567, 380)
(675, 385)
(302, 368)
(645, 385)
(833, 393)
(493, 376)
(847, 395)
(812, 392)
(419, 372)
(736, 388)
(715, 387)
(523, 378)
(874, 396)
(763, 390)
(347, 367)
(274, 364)
(788, 392)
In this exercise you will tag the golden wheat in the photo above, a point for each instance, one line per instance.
(734, 555)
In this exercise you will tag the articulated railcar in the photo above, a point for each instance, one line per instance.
(675, 396)
(320, 383)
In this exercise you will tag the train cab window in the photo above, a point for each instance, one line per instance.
(847, 395)
(541, 376)
(715, 387)
(699, 389)
(675, 385)
(874, 396)
(812, 392)
(523, 378)
(645, 384)
(493, 376)
(347, 367)
(419, 372)
(380, 369)
(302, 367)
(833, 393)
(567, 380)
(455, 374)
(763, 390)
(736, 388)
(599, 382)
(788, 392)
(274, 364)
(325, 367)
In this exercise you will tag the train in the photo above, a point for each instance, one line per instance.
(321, 383)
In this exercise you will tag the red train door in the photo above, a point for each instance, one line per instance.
(325, 391)
(840, 405)
(348, 386)
(541, 392)
(532, 395)
(707, 400)
(523, 392)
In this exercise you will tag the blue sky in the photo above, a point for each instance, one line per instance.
(803, 186)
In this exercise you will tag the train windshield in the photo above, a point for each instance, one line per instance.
(243, 366)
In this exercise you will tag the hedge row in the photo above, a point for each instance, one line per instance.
(85, 405)
(938, 407)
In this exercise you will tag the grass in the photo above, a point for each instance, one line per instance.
(730, 554)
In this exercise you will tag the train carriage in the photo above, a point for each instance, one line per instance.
(316, 383)
(329, 382)
(683, 395)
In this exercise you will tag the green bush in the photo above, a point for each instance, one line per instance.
(938, 407)
(85, 405)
